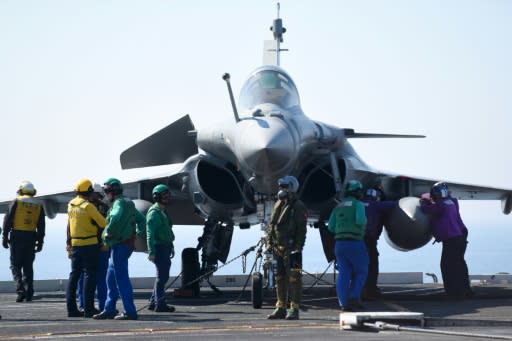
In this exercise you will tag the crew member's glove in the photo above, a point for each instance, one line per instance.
(5, 242)
(69, 251)
(104, 248)
(39, 246)
(269, 245)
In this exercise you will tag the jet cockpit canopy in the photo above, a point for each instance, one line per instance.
(269, 84)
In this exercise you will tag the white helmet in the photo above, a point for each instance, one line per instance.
(290, 181)
(27, 188)
(97, 188)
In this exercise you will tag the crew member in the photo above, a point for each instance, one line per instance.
(24, 229)
(448, 228)
(377, 212)
(160, 246)
(348, 223)
(123, 222)
(96, 198)
(84, 219)
(286, 238)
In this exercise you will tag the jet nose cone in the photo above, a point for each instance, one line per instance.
(267, 146)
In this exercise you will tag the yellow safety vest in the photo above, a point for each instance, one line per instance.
(27, 214)
(81, 214)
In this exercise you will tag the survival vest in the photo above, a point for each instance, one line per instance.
(81, 227)
(27, 214)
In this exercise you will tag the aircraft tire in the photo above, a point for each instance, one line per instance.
(257, 290)
(190, 269)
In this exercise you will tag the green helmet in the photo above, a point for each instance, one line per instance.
(113, 182)
(113, 185)
(158, 192)
(353, 185)
(159, 189)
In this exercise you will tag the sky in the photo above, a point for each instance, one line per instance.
(81, 81)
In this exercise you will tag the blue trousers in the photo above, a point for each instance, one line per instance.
(163, 266)
(118, 281)
(352, 264)
(101, 282)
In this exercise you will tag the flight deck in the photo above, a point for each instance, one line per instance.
(230, 315)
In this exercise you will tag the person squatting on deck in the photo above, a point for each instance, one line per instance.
(124, 221)
(286, 238)
(348, 223)
(84, 219)
(448, 228)
(23, 232)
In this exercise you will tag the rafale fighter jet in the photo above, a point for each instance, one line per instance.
(229, 171)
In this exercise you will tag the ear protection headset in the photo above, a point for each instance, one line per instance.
(157, 197)
(114, 189)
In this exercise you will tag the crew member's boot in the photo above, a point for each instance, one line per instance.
(278, 313)
(292, 314)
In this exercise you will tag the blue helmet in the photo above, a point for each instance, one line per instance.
(439, 189)
(371, 193)
(290, 182)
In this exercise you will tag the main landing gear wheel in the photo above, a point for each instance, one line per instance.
(191, 270)
(257, 290)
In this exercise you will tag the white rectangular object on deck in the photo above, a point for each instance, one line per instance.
(349, 320)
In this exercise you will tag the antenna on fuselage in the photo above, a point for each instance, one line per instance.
(272, 48)
(226, 78)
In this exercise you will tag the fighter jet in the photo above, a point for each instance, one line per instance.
(229, 172)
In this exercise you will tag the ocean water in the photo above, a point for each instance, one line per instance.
(488, 251)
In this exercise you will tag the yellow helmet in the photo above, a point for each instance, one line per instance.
(26, 188)
(83, 186)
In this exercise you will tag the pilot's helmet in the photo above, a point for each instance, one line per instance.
(439, 190)
(289, 182)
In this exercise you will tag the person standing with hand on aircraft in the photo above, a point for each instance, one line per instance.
(448, 228)
(377, 211)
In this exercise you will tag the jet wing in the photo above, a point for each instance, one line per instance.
(397, 186)
(181, 209)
